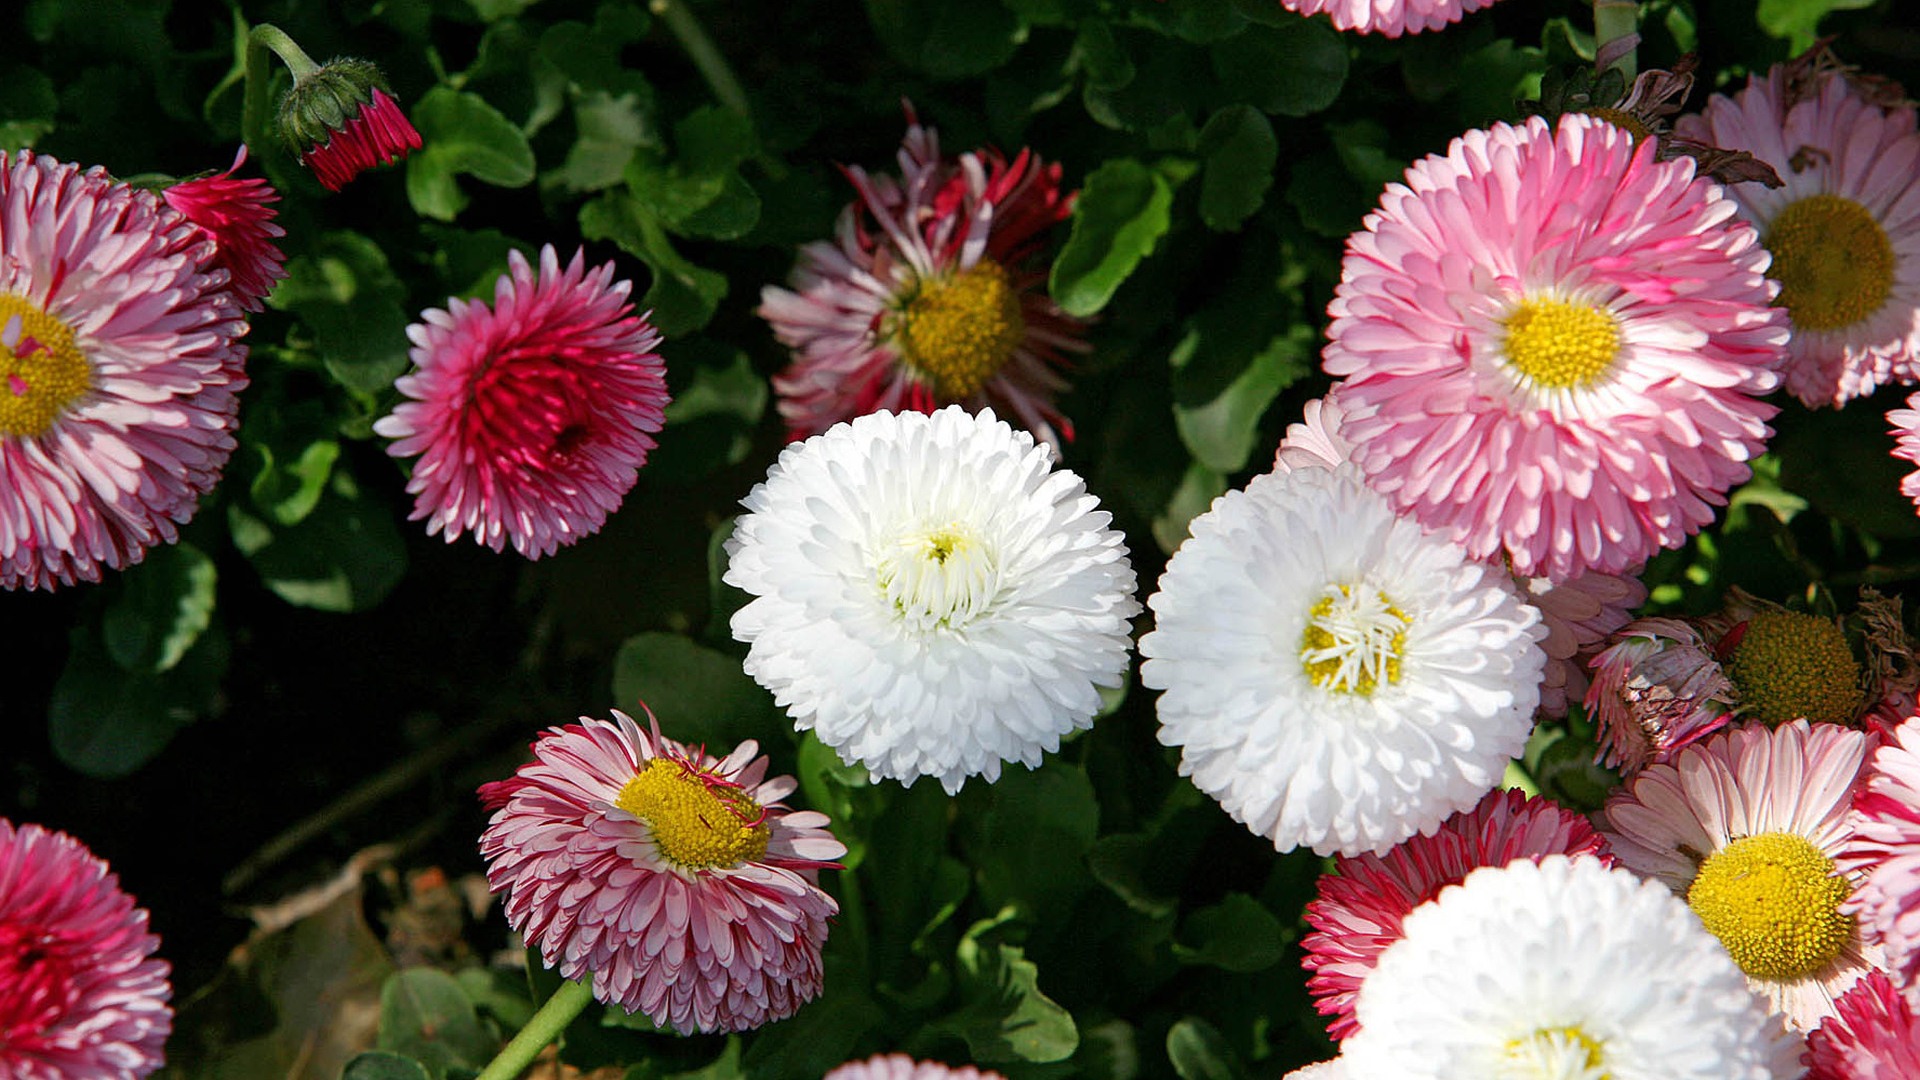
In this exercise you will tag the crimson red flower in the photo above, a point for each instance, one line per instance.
(377, 135)
(235, 215)
(1872, 1035)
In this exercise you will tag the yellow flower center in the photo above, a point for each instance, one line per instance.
(1773, 900)
(959, 331)
(699, 822)
(939, 576)
(1561, 345)
(1832, 259)
(1790, 664)
(1354, 641)
(1563, 1053)
(1623, 120)
(42, 370)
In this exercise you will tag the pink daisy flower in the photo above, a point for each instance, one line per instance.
(120, 364)
(1554, 347)
(902, 1067)
(1885, 848)
(1315, 442)
(1872, 1035)
(82, 996)
(1657, 689)
(680, 883)
(235, 215)
(1389, 18)
(931, 293)
(1906, 440)
(532, 418)
(1844, 229)
(1360, 905)
(1748, 827)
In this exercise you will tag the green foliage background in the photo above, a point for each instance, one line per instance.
(1097, 917)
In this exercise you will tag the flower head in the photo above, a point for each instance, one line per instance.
(1579, 613)
(1314, 442)
(237, 217)
(1358, 912)
(931, 596)
(1554, 347)
(1885, 849)
(1872, 1035)
(82, 996)
(1336, 677)
(1844, 230)
(1656, 689)
(1388, 18)
(532, 418)
(120, 366)
(1747, 826)
(929, 294)
(341, 121)
(681, 883)
(902, 1067)
(1563, 969)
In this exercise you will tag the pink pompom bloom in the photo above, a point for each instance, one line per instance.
(82, 996)
(1844, 230)
(1872, 1035)
(120, 366)
(1358, 911)
(902, 1067)
(1885, 847)
(532, 418)
(1389, 18)
(1656, 689)
(1315, 442)
(1554, 346)
(235, 215)
(931, 293)
(680, 883)
(1906, 444)
(1747, 827)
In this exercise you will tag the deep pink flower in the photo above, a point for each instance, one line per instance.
(378, 134)
(235, 215)
(82, 996)
(531, 419)
(1872, 1035)
(931, 293)
(1389, 18)
(120, 364)
(1554, 347)
(1885, 846)
(1358, 911)
(1656, 689)
(902, 1067)
(680, 883)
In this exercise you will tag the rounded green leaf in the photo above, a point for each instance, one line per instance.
(1238, 152)
(1293, 69)
(426, 1015)
(380, 1065)
(461, 133)
(164, 605)
(699, 694)
(1199, 1052)
(1122, 212)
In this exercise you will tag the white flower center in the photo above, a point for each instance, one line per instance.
(1354, 639)
(1566, 1053)
(941, 575)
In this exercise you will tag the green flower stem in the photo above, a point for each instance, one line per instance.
(1613, 20)
(255, 109)
(546, 1026)
(704, 54)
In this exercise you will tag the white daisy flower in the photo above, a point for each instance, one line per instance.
(1334, 676)
(1562, 970)
(932, 597)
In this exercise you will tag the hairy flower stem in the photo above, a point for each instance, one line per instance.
(255, 110)
(546, 1026)
(704, 54)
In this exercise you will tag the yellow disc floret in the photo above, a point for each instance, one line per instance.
(1354, 641)
(699, 822)
(1559, 344)
(1774, 901)
(1833, 261)
(1789, 665)
(1561, 1053)
(42, 370)
(958, 331)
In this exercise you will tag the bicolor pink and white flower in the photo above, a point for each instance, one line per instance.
(531, 418)
(1872, 1035)
(1579, 614)
(1554, 346)
(237, 215)
(1359, 908)
(1885, 848)
(932, 292)
(1906, 444)
(681, 884)
(120, 370)
(1657, 689)
(902, 1067)
(1388, 18)
(82, 996)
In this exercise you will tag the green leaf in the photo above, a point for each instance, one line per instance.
(699, 694)
(1199, 1052)
(1294, 69)
(610, 128)
(1199, 486)
(1222, 433)
(1799, 20)
(1121, 862)
(1027, 836)
(380, 1065)
(345, 556)
(1123, 210)
(495, 10)
(461, 133)
(163, 607)
(823, 1034)
(1838, 460)
(947, 39)
(426, 1015)
(106, 722)
(1196, 21)
(710, 422)
(27, 107)
(1009, 1018)
(1238, 151)
(1237, 934)
(1101, 55)
(683, 296)
(347, 294)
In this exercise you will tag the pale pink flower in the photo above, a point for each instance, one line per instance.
(1388, 18)
(120, 366)
(1554, 347)
(1906, 444)
(1579, 613)
(1885, 848)
(1748, 826)
(1872, 1035)
(1656, 689)
(531, 419)
(237, 217)
(1360, 905)
(931, 293)
(1844, 229)
(82, 996)
(1314, 442)
(680, 883)
(902, 1067)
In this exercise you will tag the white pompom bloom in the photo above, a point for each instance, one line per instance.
(1334, 676)
(1564, 970)
(932, 597)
